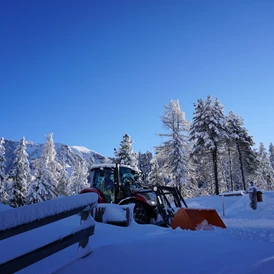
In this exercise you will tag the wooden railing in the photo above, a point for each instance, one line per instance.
(19, 220)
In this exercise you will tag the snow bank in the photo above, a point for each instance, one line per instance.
(189, 251)
(233, 193)
(29, 213)
(241, 209)
(246, 246)
(4, 207)
(214, 202)
(113, 213)
(117, 213)
(268, 193)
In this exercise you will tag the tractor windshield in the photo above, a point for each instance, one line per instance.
(103, 179)
(129, 176)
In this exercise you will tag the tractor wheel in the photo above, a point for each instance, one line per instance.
(140, 214)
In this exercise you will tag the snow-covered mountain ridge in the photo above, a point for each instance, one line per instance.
(71, 154)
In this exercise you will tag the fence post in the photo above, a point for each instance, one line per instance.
(84, 216)
(253, 197)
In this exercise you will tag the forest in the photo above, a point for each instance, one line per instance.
(209, 155)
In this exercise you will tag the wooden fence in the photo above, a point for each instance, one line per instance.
(19, 220)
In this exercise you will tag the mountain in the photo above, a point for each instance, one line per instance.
(71, 154)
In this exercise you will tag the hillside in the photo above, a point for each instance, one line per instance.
(70, 153)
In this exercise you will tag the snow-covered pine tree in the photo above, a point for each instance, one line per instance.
(241, 143)
(63, 179)
(144, 164)
(193, 186)
(208, 131)
(19, 176)
(48, 157)
(222, 169)
(265, 175)
(125, 154)
(271, 155)
(175, 150)
(78, 179)
(41, 188)
(46, 173)
(203, 175)
(229, 166)
(155, 176)
(3, 193)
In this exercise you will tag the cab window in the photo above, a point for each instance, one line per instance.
(100, 176)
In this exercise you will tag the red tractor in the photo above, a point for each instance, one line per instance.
(154, 204)
(119, 184)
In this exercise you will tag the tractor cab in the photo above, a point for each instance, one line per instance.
(120, 184)
(112, 182)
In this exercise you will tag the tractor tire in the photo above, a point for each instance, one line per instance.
(140, 214)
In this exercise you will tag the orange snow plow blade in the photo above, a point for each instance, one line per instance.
(192, 218)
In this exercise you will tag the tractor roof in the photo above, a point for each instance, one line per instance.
(113, 166)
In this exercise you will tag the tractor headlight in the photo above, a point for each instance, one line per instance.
(150, 198)
(153, 202)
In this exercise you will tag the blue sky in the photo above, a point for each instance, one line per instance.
(91, 71)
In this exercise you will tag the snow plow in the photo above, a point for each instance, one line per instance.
(152, 204)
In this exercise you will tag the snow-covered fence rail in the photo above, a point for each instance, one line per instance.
(19, 220)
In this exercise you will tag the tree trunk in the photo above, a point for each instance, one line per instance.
(241, 166)
(215, 167)
(230, 170)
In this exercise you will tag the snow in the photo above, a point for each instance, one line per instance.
(241, 209)
(112, 165)
(113, 212)
(29, 213)
(81, 149)
(84, 152)
(232, 193)
(4, 207)
(245, 246)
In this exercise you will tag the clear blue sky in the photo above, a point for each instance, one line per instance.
(91, 71)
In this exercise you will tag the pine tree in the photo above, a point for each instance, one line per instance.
(19, 176)
(125, 154)
(78, 179)
(203, 175)
(265, 175)
(48, 158)
(3, 193)
(198, 180)
(240, 141)
(46, 173)
(208, 132)
(155, 176)
(41, 188)
(271, 155)
(175, 150)
(63, 180)
(144, 165)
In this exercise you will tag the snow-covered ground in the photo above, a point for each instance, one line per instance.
(245, 246)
